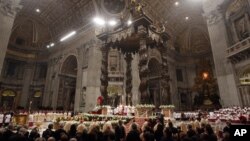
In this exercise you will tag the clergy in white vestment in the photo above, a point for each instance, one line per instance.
(7, 119)
(1, 119)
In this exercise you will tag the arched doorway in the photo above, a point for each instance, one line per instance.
(154, 82)
(8, 99)
(67, 84)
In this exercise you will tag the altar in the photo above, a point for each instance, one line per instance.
(20, 119)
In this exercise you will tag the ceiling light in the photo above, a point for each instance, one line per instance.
(38, 10)
(68, 36)
(52, 44)
(129, 22)
(99, 21)
(48, 46)
(112, 23)
(176, 3)
(186, 18)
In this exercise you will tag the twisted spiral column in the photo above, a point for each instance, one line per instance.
(128, 58)
(143, 71)
(104, 73)
(165, 77)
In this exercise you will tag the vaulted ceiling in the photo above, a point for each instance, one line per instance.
(43, 21)
(57, 17)
(184, 22)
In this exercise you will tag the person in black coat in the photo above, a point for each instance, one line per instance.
(72, 131)
(21, 135)
(158, 133)
(48, 132)
(120, 133)
(147, 136)
(59, 132)
(108, 134)
(8, 133)
(190, 132)
(209, 133)
(227, 127)
(167, 135)
(133, 134)
(34, 134)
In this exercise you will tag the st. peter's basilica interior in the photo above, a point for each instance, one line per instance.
(76, 55)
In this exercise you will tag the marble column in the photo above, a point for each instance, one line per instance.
(8, 10)
(225, 72)
(28, 73)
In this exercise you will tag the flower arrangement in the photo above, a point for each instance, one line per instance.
(167, 106)
(88, 119)
(145, 106)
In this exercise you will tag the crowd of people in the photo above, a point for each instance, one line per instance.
(235, 114)
(199, 127)
(151, 130)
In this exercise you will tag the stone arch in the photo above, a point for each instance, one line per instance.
(154, 83)
(67, 83)
(237, 15)
(69, 64)
(7, 98)
(234, 7)
(194, 39)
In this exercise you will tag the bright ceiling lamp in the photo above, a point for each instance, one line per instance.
(68, 36)
(176, 3)
(99, 21)
(129, 22)
(112, 22)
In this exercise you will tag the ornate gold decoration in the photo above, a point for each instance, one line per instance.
(11, 93)
(37, 94)
(205, 86)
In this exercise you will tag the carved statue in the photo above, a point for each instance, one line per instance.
(136, 7)
(10, 7)
(241, 28)
(83, 97)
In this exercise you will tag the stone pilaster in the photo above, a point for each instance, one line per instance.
(55, 90)
(91, 76)
(28, 73)
(47, 91)
(78, 93)
(219, 42)
(8, 10)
